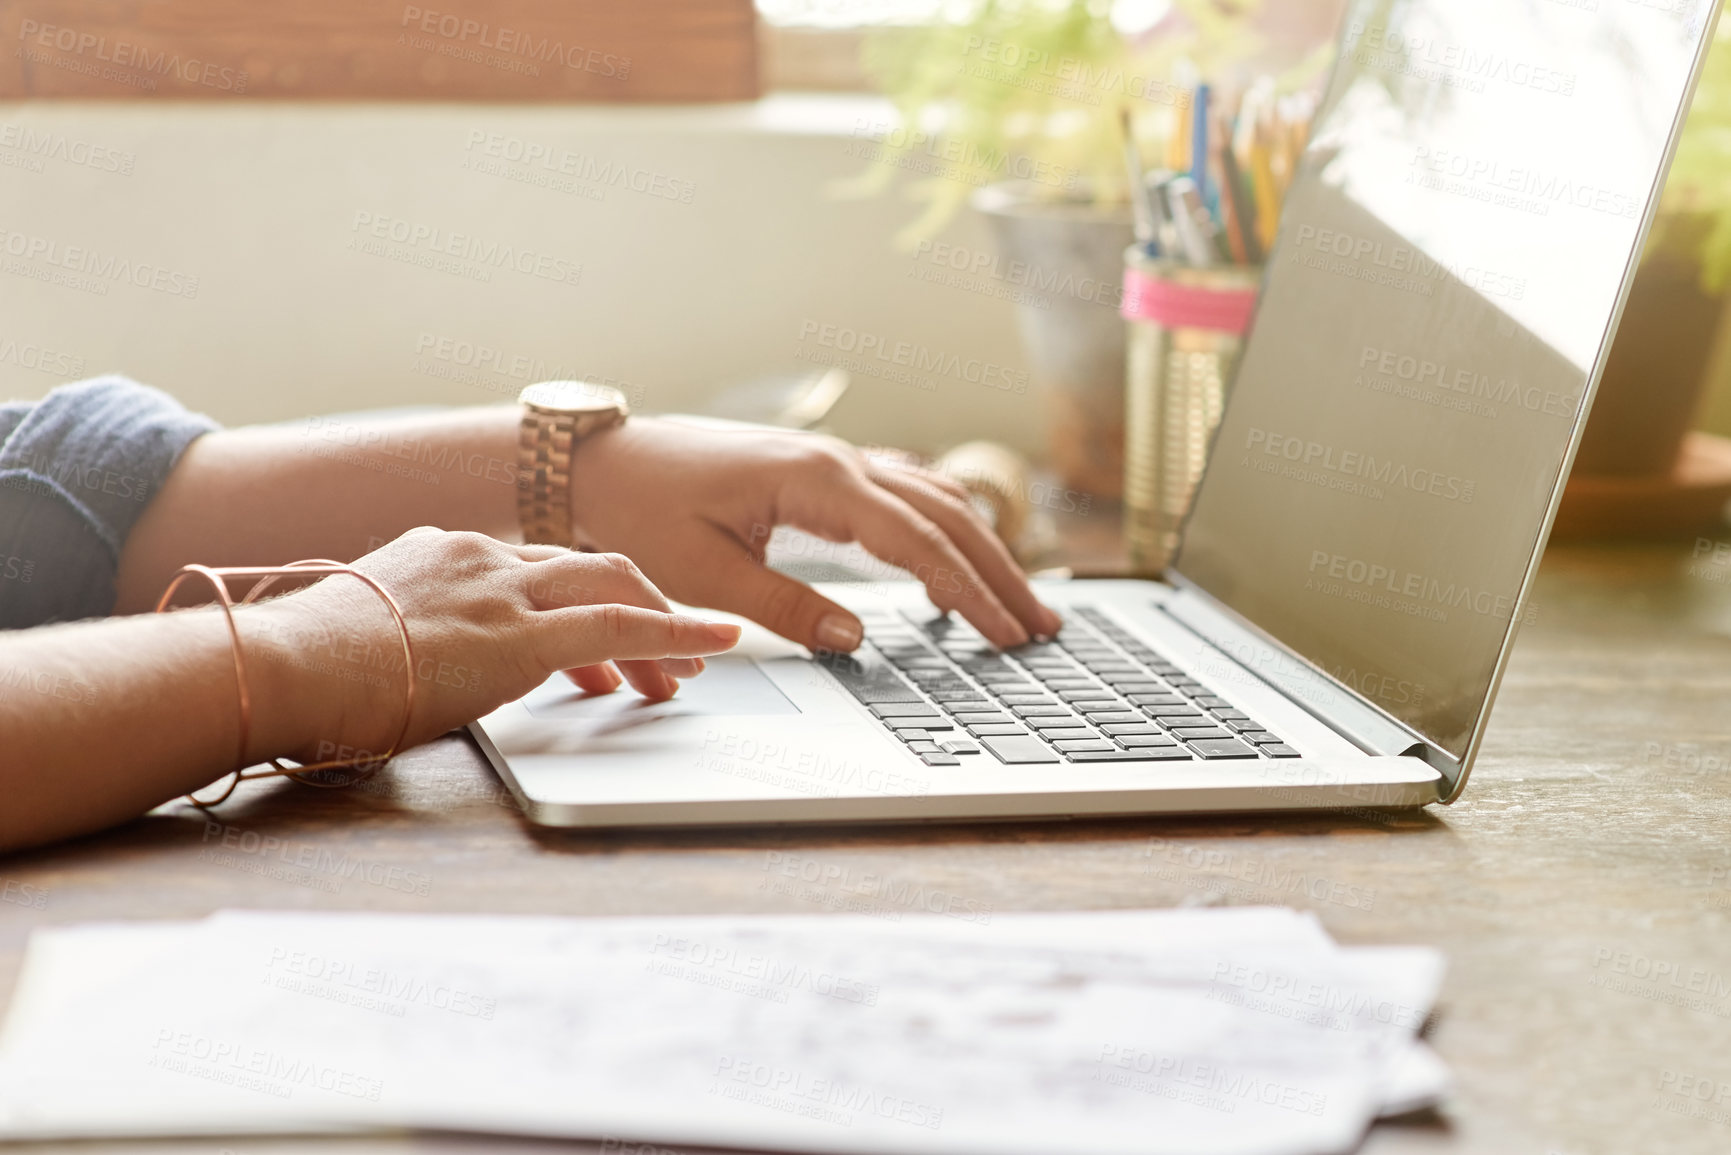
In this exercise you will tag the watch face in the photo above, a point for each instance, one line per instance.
(576, 397)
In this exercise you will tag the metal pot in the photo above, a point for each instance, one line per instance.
(1657, 369)
(1067, 254)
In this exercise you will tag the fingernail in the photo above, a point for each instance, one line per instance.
(724, 632)
(838, 632)
(1053, 623)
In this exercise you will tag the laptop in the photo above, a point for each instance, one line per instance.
(1452, 259)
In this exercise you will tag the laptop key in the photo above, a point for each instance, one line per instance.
(1231, 715)
(1114, 716)
(1131, 728)
(1142, 741)
(1148, 754)
(904, 710)
(982, 717)
(871, 683)
(959, 746)
(1019, 751)
(1194, 722)
(1051, 721)
(939, 758)
(1069, 734)
(1280, 750)
(1222, 748)
(1098, 705)
(1180, 711)
(925, 747)
(1202, 733)
(927, 724)
(910, 734)
(1137, 684)
(1027, 699)
(995, 730)
(1077, 745)
(1212, 701)
(1264, 739)
(1047, 709)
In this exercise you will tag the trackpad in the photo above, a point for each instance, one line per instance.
(730, 686)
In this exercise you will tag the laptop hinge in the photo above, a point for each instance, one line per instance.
(1335, 705)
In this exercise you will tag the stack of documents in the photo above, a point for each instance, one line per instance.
(1219, 1030)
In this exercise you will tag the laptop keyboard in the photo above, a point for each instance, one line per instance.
(1096, 693)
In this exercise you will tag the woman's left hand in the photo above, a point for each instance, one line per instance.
(694, 507)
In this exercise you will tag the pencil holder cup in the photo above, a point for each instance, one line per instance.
(1186, 325)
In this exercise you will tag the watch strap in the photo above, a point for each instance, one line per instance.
(544, 445)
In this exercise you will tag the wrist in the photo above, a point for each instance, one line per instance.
(558, 418)
(590, 475)
(308, 683)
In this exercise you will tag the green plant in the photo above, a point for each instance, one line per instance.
(1700, 181)
(1034, 88)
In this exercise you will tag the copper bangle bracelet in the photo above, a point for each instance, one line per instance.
(266, 576)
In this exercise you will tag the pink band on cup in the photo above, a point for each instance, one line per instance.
(1185, 306)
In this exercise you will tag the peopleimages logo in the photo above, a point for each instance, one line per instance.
(1353, 463)
(1377, 578)
(1423, 56)
(460, 30)
(1067, 74)
(123, 55)
(42, 144)
(917, 358)
(1400, 266)
(416, 239)
(91, 269)
(1470, 383)
(1544, 188)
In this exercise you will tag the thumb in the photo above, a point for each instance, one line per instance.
(741, 585)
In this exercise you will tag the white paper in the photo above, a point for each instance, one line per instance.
(1230, 1031)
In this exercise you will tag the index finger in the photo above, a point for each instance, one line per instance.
(981, 546)
(897, 533)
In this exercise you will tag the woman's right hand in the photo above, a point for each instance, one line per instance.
(489, 622)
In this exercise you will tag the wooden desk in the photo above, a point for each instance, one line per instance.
(1594, 839)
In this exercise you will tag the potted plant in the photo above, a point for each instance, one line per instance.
(1033, 91)
(1653, 382)
(1639, 470)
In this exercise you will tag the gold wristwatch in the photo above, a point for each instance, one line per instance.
(556, 416)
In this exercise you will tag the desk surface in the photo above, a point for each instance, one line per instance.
(1591, 851)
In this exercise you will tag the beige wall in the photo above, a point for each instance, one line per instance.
(259, 203)
(676, 297)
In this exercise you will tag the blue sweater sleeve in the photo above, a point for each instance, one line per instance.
(76, 470)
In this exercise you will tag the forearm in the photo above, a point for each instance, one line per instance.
(104, 720)
(322, 488)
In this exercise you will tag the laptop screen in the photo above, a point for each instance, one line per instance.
(1451, 255)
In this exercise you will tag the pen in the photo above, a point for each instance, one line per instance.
(1238, 212)
(1191, 221)
(1140, 210)
(1263, 189)
(1199, 144)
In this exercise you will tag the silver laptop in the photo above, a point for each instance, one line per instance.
(1452, 260)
